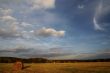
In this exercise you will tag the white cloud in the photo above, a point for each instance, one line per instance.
(50, 32)
(5, 15)
(96, 25)
(8, 24)
(15, 25)
(5, 11)
(42, 4)
(8, 18)
(24, 24)
(80, 6)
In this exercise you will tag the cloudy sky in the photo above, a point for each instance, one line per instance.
(55, 29)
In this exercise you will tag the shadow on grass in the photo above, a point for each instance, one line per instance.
(25, 67)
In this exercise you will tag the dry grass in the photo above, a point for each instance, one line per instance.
(91, 67)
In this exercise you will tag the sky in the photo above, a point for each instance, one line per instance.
(55, 29)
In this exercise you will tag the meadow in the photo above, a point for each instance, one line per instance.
(81, 67)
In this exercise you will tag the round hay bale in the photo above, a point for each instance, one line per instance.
(18, 65)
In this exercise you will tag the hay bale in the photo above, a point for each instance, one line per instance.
(18, 65)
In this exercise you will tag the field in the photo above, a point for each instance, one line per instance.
(84, 67)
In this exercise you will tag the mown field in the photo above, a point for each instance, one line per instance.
(84, 67)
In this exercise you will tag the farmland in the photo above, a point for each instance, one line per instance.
(81, 67)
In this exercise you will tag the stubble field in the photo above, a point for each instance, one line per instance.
(84, 67)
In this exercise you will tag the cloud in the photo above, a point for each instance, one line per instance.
(10, 22)
(5, 11)
(16, 50)
(13, 30)
(102, 16)
(8, 25)
(98, 55)
(24, 24)
(95, 21)
(17, 24)
(8, 34)
(32, 4)
(48, 55)
(33, 50)
(83, 56)
(8, 18)
(80, 6)
(46, 32)
(5, 16)
(42, 4)
(96, 25)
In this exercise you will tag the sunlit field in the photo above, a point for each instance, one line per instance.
(84, 67)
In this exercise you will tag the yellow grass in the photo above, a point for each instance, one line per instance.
(91, 67)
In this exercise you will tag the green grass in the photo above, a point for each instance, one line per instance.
(90, 67)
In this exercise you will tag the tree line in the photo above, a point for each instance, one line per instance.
(43, 60)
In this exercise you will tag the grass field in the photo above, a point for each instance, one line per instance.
(84, 67)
